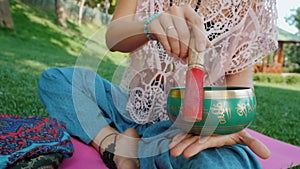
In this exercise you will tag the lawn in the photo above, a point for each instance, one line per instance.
(37, 43)
(278, 111)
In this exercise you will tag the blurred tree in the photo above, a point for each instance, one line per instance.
(48, 4)
(104, 7)
(60, 13)
(294, 19)
(293, 51)
(107, 5)
(81, 5)
(6, 19)
(111, 4)
(95, 3)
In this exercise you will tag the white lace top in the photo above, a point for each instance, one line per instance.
(241, 32)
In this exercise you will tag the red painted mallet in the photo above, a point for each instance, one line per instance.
(194, 92)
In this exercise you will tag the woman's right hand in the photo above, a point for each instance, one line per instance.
(174, 29)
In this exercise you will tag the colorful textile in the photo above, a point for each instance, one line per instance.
(48, 161)
(25, 137)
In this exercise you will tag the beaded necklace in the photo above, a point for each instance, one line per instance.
(207, 25)
(196, 8)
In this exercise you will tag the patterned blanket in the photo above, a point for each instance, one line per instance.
(28, 137)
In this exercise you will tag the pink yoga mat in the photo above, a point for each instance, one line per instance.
(84, 157)
(283, 156)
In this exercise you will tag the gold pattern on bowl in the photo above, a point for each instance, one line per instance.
(225, 110)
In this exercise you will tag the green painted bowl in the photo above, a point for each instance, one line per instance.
(226, 110)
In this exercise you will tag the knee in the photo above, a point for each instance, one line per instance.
(51, 74)
(58, 77)
(49, 78)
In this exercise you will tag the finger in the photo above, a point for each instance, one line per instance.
(201, 41)
(197, 25)
(259, 148)
(166, 21)
(172, 36)
(207, 142)
(178, 138)
(158, 32)
(180, 147)
(183, 35)
(197, 147)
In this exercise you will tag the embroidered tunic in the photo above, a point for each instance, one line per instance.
(241, 33)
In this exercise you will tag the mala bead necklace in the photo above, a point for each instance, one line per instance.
(196, 8)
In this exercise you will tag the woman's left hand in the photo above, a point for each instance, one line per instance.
(189, 145)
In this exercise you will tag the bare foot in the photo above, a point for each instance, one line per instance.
(126, 150)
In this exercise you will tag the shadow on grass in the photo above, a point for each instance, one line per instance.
(34, 45)
(278, 113)
(38, 38)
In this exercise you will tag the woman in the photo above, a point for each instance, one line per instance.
(231, 35)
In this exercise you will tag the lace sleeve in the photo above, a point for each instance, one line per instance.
(241, 34)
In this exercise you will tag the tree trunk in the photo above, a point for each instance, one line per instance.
(6, 19)
(80, 12)
(60, 13)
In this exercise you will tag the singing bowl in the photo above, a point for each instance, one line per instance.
(226, 110)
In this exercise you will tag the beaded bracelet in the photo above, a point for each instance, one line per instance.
(150, 19)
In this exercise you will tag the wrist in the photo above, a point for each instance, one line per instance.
(146, 25)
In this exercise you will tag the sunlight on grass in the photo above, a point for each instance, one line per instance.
(118, 58)
(9, 54)
(295, 87)
(34, 64)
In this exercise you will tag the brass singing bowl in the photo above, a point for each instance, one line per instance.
(226, 110)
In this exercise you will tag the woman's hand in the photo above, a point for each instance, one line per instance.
(174, 29)
(189, 145)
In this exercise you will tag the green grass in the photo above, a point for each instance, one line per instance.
(278, 111)
(37, 43)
